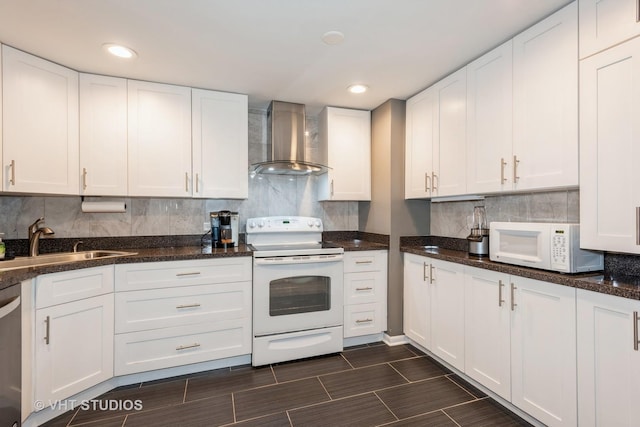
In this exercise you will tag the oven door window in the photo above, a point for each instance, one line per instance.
(300, 294)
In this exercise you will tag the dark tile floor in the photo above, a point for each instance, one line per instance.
(363, 386)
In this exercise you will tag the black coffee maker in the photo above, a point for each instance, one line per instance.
(222, 228)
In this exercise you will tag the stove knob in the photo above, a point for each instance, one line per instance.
(261, 223)
(318, 223)
(310, 223)
(252, 224)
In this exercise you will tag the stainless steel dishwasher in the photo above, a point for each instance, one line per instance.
(10, 357)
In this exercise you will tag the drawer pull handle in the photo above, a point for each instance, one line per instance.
(194, 273)
(364, 262)
(635, 331)
(47, 322)
(186, 347)
(368, 288)
(188, 306)
(364, 321)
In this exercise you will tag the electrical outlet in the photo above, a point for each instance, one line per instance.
(206, 226)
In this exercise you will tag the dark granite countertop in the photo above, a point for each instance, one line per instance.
(626, 287)
(357, 240)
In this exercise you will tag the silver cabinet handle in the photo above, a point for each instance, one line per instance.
(431, 269)
(502, 165)
(364, 262)
(186, 347)
(434, 177)
(500, 286)
(424, 271)
(364, 321)
(515, 169)
(368, 288)
(186, 182)
(331, 188)
(84, 178)
(12, 180)
(635, 331)
(193, 273)
(513, 297)
(427, 182)
(197, 186)
(195, 305)
(638, 225)
(47, 323)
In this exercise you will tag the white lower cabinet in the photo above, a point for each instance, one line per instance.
(365, 291)
(174, 313)
(608, 360)
(417, 300)
(73, 346)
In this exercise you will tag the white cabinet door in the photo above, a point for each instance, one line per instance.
(103, 135)
(73, 347)
(417, 300)
(159, 140)
(543, 351)
(489, 121)
(609, 149)
(419, 144)
(450, 152)
(488, 329)
(545, 103)
(40, 125)
(347, 136)
(608, 360)
(447, 312)
(220, 144)
(605, 23)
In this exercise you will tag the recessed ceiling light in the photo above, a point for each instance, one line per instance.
(358, 88)
(333, 37)
(120, 51)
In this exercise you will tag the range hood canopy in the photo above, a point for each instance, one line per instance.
(286, 149)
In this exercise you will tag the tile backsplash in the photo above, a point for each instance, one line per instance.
(454, 219)
(268, 195)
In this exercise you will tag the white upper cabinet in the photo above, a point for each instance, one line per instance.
(346, 134)
(159, 132)
(545, 103)
(450, 151)
(220, 144)
(605, 23)
(489, 121)
(103, 135)
(610, 149)
(40, 125)
(419, 144)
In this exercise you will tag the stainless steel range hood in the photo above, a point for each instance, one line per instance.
(286, 150)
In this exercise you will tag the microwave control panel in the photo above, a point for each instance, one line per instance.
(560, 246)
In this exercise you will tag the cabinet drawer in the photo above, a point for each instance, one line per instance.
(152, 275)
(165, 348)
(59, 288)
(365, 261)
(366, 287)
(161, 308)
(364, 319)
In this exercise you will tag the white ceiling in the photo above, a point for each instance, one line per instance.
(272, 49)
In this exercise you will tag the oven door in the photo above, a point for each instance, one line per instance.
(297, 293)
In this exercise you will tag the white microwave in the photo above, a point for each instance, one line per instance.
(554, 247)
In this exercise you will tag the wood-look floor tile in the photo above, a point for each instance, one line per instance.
(420, 368)
(310, 368)
(434, 419)
(108, 422)
(485, 412)
(215, 411)
(467, 386)
(422, 397)
(155, 395)
(362, 380)
(377, 354)
(277, 398)
(225, 381)
(362, 410)
(61, 420)
(276, 420)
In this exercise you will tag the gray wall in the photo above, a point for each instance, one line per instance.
(388, 212)
(274, 195)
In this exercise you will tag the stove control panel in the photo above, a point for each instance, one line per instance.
(283, 224)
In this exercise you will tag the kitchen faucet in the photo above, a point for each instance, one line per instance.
(35, 231)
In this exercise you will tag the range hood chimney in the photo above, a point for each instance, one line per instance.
(286, 151)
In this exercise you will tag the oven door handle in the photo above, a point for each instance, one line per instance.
(298, 260)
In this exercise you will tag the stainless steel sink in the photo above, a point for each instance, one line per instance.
(59, 258)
